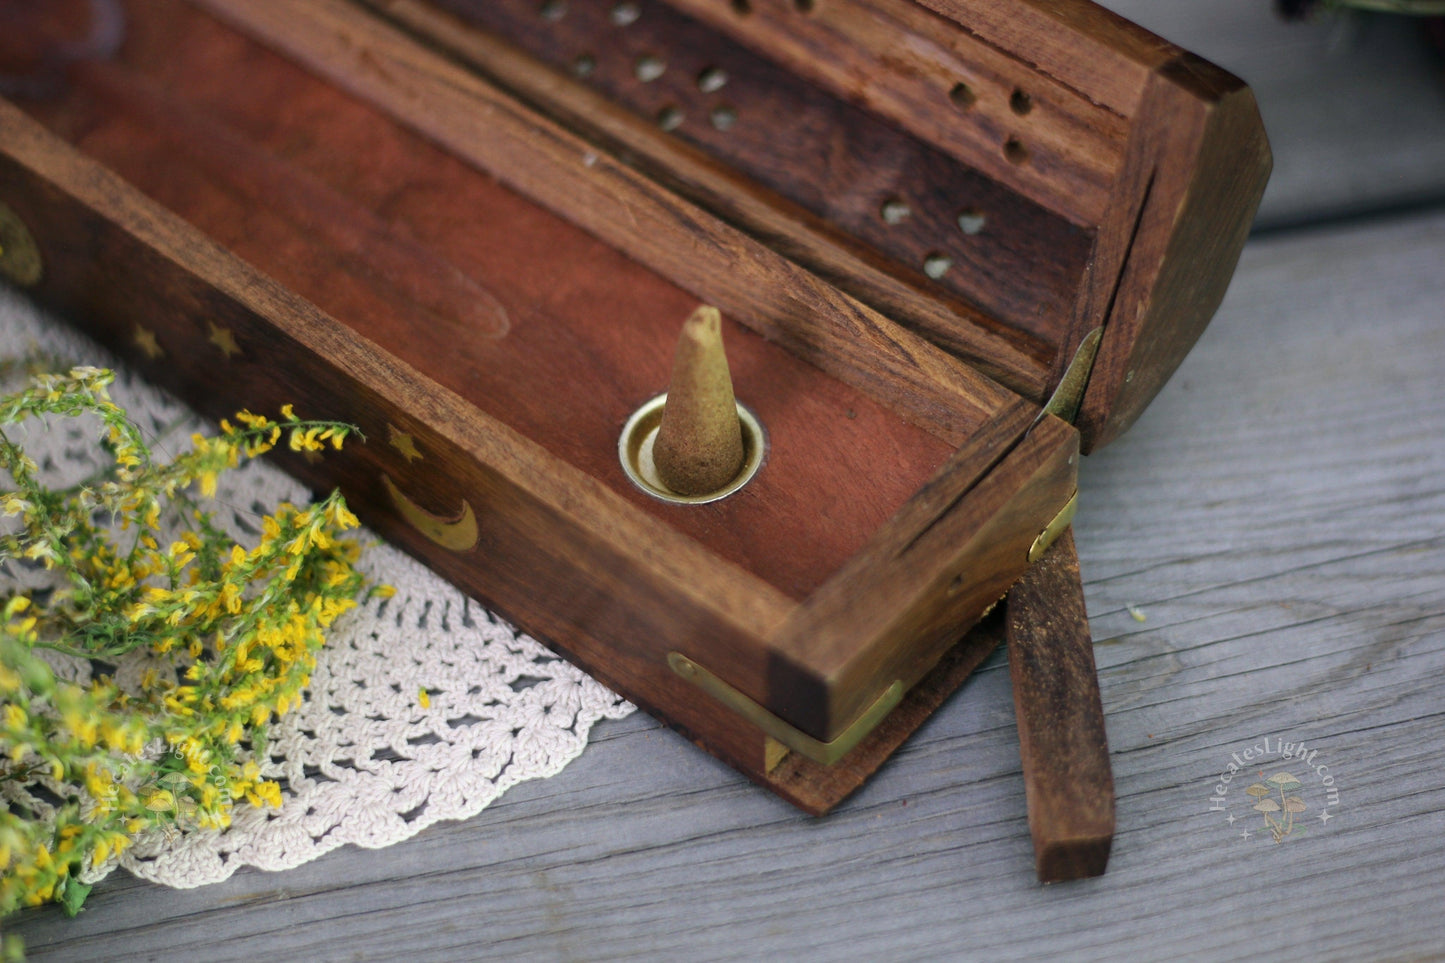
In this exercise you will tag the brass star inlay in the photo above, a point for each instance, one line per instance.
(403, 443)
(145, 339)
(223, 339)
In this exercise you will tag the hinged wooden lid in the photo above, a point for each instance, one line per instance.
(1004, 176)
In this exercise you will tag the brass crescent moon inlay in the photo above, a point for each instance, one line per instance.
(457, 534)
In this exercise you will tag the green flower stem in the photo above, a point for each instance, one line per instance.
(240, 624)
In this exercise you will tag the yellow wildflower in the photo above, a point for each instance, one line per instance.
(269, 793)
(166, 598)
(160, 801)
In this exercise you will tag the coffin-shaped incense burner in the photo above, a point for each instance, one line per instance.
(951, 243)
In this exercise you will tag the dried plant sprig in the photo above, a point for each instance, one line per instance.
(235, 631)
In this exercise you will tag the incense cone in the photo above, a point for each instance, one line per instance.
(699, 447)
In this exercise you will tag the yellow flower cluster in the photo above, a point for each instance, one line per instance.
(240, 624)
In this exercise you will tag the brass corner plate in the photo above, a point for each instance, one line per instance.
(1055, 528)
(825, 753)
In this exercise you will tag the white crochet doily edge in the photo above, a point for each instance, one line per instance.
(363, 761)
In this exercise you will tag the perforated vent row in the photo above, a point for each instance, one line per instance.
(934, 216)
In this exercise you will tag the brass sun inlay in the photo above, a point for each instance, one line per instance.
(225, 340)
(145, 339)
(403, 443)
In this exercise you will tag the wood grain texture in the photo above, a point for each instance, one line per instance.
(955, 548)
(818, 790)
(594, 586)
(140, 256)
(559, 170)
(295, 191)
(1064, 750)
(401, 266)
(1183, 197)
(1275, 516)
(1090, 49)
(1006, 354)
(1177, 170)
(1199, 162)
(894, 58)
(840, 163)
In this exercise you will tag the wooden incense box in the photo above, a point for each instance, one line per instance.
(952, 242)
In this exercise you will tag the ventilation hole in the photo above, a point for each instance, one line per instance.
(669, 118)
(1021, 102)
(553, 10)
(937, 265)
(962, 96)
(723, 118)
(972, 221)
(625, 13)
(803, 6)
(711, 80)
(584, 66)
(894, 211)
(1015, 151)
(742, 7)
(648, 68)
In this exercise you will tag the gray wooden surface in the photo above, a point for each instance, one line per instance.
(1277, 519)
(1353, 104)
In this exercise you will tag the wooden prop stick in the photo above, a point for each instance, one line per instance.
(1067, 779)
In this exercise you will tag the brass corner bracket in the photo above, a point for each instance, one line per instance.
(825, 753)
(1055, 528)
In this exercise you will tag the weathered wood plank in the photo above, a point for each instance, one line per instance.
(1276, 517)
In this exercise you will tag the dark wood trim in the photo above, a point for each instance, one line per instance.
(1067, 778)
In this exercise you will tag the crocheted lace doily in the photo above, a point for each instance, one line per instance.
(361, 761)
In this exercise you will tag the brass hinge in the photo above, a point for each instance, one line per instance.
(1054, 529)
(826, 753)
(1069, 395)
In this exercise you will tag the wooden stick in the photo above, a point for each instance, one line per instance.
(1067, 779)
